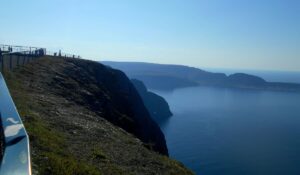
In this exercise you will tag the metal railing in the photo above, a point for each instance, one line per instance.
(14, 56)
(16, 155)
(9, 49)
(33, 51)
(61, 54)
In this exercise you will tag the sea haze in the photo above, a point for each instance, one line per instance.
(268, 75)
(233, 131)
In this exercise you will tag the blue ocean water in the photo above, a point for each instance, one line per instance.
(230, 131)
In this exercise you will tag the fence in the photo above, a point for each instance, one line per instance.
(18, 49)
(14, 56)
(10, 61)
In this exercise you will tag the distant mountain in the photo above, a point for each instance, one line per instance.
(165, 77)
(157, 106)
(169, 77)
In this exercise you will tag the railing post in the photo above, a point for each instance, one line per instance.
(1, 62)
(18, 60)
(23, 60)
(10, 62)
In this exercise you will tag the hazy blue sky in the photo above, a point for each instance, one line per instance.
(252, 34)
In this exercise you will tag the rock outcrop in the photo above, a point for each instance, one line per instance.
(111, 94)
(157, 106)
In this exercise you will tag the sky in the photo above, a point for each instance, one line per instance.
(244, 34)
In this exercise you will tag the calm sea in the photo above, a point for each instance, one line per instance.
(230, 131)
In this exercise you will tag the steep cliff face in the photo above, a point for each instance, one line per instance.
(111, 94)
(85, 118)
(157, 106)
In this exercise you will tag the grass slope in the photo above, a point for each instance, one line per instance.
(70, 139)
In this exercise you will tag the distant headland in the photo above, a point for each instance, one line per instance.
(170, 77)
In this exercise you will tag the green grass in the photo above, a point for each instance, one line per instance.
(63, 165)
(98, 154)
(49, 146)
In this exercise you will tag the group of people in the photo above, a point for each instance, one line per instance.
(37, 52)
(9, 49)
(40, 52)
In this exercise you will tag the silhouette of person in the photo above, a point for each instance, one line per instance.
(41, 52)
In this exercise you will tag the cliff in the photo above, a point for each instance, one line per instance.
(157, 106)
(85, 118)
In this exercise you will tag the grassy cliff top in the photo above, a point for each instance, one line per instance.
(68, 137)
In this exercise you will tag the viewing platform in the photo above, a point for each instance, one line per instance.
(12, 56)
(14, 140)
